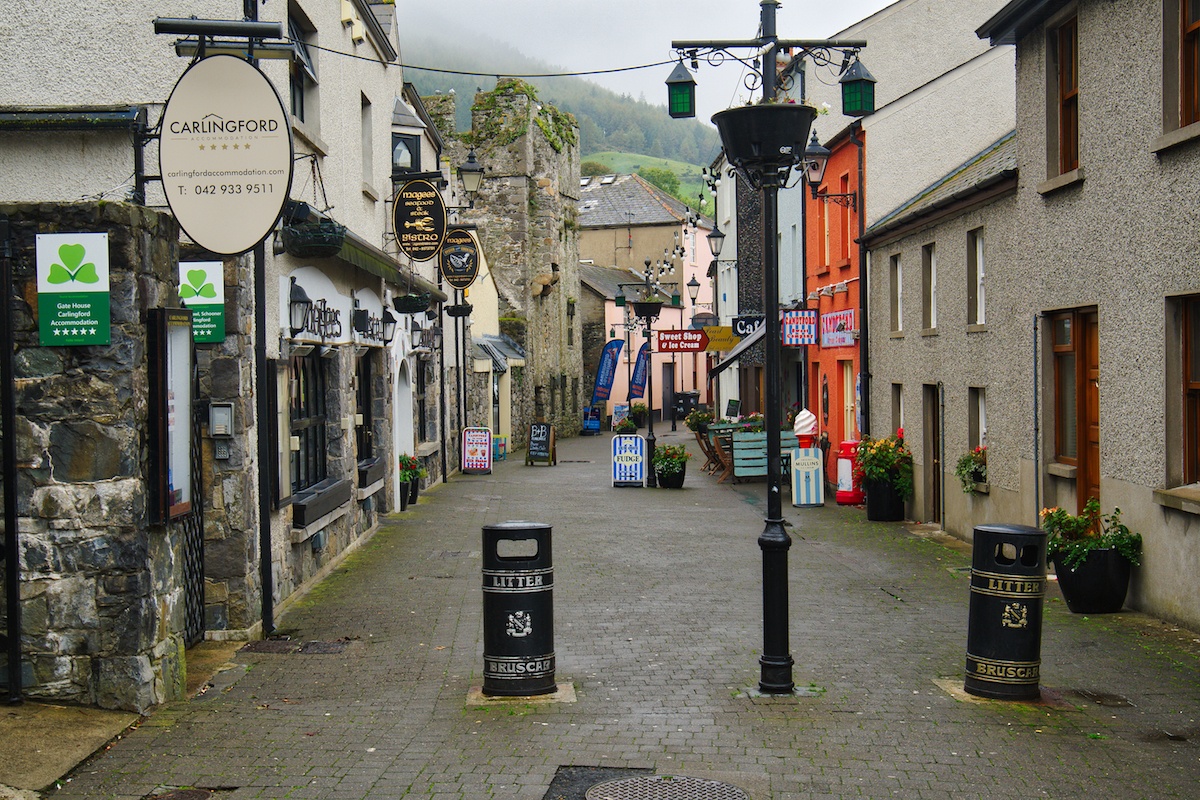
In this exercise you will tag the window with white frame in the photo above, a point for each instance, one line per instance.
(977, 417)
(368, 144)
(897, 406)
(975, 273)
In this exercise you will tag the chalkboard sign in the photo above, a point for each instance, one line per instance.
(732, 408)
(541, 444)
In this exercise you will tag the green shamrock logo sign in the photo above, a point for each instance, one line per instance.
(197, 285)
(72, 267)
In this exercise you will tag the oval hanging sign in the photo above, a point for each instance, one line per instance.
(225, 154)
(460, 259)
(419, 219)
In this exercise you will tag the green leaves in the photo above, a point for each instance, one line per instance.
(72, 268)
(197, 285)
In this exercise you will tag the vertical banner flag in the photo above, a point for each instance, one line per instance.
(202, 289)
(799, 328)
(606, 371)
(72, 283)
(637, 386)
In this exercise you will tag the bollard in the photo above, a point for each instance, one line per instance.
(518, 610)
(1004, 627)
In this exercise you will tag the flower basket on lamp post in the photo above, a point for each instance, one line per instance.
(322, 239)
(761, 137)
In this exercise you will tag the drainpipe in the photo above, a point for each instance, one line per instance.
(864, 361)
(12, 553)
(262, 413)
(1037, 425)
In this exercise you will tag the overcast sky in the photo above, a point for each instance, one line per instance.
(580, 35)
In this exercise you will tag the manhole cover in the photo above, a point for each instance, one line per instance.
(665, 787)
(270, 646)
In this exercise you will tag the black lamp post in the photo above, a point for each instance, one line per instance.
(764, 142)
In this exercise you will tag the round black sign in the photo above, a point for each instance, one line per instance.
(420, 220)
(460, 259)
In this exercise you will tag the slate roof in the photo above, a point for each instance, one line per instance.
(614, 200)
(994, 164)
(604, 280)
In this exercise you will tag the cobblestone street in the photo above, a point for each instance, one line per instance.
(658, 599)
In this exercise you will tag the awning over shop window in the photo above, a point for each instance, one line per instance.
(745, 344)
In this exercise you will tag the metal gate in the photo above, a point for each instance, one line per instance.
(191, 526)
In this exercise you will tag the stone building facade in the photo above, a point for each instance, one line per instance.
(526, 219)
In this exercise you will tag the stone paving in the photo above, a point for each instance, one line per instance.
(658, 628)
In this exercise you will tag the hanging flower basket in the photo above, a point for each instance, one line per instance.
(460, 310)
(412, 303)
(321, 239)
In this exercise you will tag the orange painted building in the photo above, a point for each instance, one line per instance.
(833, 288)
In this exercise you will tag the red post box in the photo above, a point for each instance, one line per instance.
(849, 492)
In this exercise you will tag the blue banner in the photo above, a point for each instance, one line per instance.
(606, 371)
(637, 386)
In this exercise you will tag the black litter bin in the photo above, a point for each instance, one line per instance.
(518, 610)
(1004, 629)
(685, 403)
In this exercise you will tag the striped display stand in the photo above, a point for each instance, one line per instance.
(629, 460)
(808, 487)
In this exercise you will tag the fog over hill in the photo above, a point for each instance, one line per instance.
(607, 120)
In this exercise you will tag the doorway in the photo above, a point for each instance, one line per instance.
(931, 445)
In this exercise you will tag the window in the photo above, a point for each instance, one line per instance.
(1065, 394)
(976, 417)
(847, 235)
(419, 401)
(1191, 389)
(368, 144)
(897, 406)
(1189, 62)
(1063, 133)
(363, 431)
(896, 275)
(928, 287)
(307, 420)
(975, 272)
(406, 153)
(303, 76)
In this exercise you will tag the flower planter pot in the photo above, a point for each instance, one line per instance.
(412, 303)
(314, 239)
(672, 481)
(1097, 585)
(404, 490)
(414, 487)
(884, 503)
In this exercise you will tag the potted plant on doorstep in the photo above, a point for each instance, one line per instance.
(412, 472)
(697, 420)
(971, 470)
(1092, 555)
(638, 412)
(885, 467)
(670, 465)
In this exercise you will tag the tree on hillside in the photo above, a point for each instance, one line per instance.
(592, 168)
(664, 179)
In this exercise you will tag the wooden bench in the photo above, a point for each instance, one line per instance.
(750, 452)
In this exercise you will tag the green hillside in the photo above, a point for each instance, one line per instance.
(690, 179)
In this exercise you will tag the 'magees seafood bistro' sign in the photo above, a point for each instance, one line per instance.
(225, 154)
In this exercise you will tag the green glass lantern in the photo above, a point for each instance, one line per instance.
(681, 93)
(858, 91)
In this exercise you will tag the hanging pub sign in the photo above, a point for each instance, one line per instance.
(419, 219)
(225, 154)
(202, 289)
(799, 327)
(72, 282)
(460, 259)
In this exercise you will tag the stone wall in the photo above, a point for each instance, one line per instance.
(101, 587)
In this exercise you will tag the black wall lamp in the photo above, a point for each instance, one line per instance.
(299, 306)
(816, 159)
